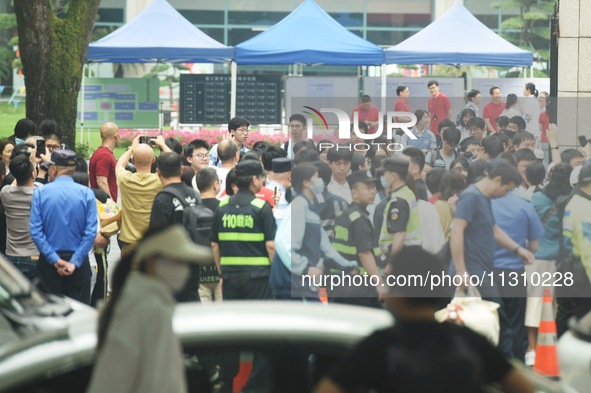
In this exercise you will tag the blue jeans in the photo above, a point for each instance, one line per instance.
(26, 265)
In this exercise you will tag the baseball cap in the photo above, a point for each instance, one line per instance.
(359, 176)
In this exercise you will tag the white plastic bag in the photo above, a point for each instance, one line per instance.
(471, 311)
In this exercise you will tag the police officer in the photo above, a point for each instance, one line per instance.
(354, 241)
(242, 239)
(242, 235)
(400, 224)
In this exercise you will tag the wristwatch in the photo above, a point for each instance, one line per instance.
(516, 250)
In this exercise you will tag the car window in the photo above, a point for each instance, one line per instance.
(274, 367)
(288, 368)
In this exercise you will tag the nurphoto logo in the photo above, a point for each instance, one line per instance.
(345, 124)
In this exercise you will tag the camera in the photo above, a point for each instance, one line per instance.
(148, 140)
(583, 140)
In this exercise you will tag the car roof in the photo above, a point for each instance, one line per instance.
(220, 323)
(277, 320)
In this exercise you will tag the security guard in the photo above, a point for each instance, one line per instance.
(242, 236)
(400, 224)
(354, 241)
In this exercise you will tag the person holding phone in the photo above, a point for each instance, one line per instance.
(39, 157)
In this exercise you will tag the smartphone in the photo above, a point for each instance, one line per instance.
(40, 148)
(145, 139)
(582, 140)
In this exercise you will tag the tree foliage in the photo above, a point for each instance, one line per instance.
(530, 29)
(53, 39)
(7, 24)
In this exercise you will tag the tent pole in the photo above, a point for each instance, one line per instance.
(82, 105)
(383, 97)
(531, 68)
(234, 70)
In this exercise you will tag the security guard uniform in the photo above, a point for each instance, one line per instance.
(401, 213)
(353, 235)
(241, 226)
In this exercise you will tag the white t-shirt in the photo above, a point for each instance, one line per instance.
(222, 174)
(344, 191)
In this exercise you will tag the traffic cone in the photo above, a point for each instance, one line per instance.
(322, 295)
(546, 352)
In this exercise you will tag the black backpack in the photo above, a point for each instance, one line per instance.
(196, 219)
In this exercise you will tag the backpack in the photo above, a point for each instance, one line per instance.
(196, 219)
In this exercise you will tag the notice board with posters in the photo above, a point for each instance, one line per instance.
(206, 98)
(129, 102)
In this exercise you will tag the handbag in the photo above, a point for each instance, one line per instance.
(468, 309)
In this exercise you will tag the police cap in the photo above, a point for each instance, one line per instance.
(393, 164)
(249, 168)
(281, 165)
(359, 176)
(63, 158)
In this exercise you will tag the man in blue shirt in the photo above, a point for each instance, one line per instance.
(63, 224)
(474, 235)
(520, 221)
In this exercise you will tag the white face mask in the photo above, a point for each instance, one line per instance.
(174, 274)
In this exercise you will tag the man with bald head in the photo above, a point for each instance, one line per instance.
(102, 162)
(228, 154)
(138, 190)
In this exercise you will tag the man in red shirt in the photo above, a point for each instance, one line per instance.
(439, 106)
(102, 163)
(401, 104)
(368, 113)
(493, 109)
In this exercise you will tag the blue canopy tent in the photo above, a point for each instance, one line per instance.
(160, 34)
(308, 35)
(458, 38)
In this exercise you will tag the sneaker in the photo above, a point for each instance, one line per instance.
(530, 358)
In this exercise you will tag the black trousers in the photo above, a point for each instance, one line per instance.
(247, 285)
(100, 286)
(75, 286)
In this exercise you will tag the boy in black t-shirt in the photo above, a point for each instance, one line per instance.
(418, 354)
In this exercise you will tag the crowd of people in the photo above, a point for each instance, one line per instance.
(490, 194)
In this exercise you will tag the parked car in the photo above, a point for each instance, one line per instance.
(52, 340)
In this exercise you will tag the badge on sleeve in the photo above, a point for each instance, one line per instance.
(394, 213)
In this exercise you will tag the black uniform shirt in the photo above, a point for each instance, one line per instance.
(361, 230)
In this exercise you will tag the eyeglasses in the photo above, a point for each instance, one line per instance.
(244, 130)
(450, 145)
(201, 156)
(52, 147)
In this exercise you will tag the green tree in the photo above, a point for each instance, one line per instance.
(7, 24)
(530, 30)
(168, 76)
(53, 41)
